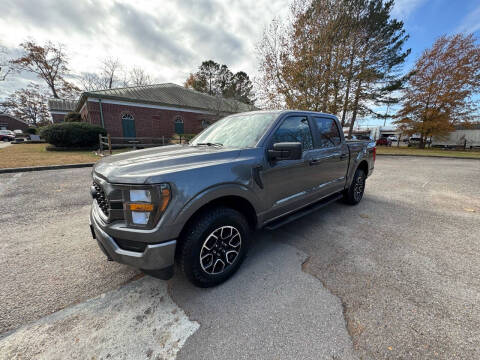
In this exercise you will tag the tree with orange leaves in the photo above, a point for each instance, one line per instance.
(50, 63)
(441, 87)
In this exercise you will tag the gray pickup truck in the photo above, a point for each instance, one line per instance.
(198, 203)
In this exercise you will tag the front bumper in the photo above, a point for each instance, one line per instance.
(154, 257)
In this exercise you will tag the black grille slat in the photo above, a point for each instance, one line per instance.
(131, 245)
(102, 199)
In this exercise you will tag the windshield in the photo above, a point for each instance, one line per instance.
(238, 131)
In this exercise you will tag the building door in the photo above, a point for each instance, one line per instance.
(128, 125)
(179, 125)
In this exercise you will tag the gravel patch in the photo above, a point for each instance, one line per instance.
(48, 259)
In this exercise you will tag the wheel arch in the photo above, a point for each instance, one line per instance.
(364, 166)
(235, 198)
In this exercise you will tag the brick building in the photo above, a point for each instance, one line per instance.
(154, 110)
(8, 122)
(58, 108)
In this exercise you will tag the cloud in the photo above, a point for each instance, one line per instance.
(471, 22)
(67, 16)
(155, 36)
(403, 8)
(167, 38)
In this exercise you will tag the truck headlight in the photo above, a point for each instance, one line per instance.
(140, 195)
(145, 206)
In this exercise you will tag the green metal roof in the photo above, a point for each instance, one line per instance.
(169, 94)
(61, 105)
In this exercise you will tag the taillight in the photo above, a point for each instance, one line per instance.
(374, 153)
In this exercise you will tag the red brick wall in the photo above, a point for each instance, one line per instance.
(148, 122)
(12, 123)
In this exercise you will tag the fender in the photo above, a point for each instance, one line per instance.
(355, 160)
(213, 193)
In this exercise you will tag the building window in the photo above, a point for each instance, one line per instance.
(205, 124)
(179, 129)
(128, 117)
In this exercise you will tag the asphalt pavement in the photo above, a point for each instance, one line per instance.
(395, 277)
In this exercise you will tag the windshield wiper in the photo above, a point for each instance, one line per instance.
(210, 144)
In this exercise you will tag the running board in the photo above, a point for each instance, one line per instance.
(303, 212)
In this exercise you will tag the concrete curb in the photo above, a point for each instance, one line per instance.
(48, 167)
(431, 156)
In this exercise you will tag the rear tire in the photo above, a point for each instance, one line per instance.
(354, 194)
(214, 246)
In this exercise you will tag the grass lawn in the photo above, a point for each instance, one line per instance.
(393, 150)
(21, 155)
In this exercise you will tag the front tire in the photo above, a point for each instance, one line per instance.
(214, 246)
(354, 194)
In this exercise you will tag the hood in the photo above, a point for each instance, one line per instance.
(136, 167)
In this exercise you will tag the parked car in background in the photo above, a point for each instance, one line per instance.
(364, 137)
(18, 132)
(393, 138)
(415, 141)
(384, 141)
(7, 135)
(198, 203)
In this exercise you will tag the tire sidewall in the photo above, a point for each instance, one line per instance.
(351, 196)
(192, 266)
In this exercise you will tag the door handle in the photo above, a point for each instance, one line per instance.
(343, 156)
(314, 162)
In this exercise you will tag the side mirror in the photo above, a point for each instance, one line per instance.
(286, 151)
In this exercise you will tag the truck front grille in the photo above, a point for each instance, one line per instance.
(102, 199)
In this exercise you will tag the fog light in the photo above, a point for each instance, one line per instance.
(140, 217)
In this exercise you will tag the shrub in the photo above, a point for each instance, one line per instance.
(72, 134)
(31, 130)
(73, 117)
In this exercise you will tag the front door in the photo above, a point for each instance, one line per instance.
(128, 125)
(179, 126)
(289, 183)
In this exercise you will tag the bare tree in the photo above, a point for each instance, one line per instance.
(111, 68)
(29, 104)
(5, 67)
(91, 82)
(49, 62)
(138, 77)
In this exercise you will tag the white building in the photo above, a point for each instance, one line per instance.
(468, 137)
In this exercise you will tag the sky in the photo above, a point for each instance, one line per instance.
(170, 38)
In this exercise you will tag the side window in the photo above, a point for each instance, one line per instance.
(295, 129)
(328, 132)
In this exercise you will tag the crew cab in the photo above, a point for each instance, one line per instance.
(197, 204)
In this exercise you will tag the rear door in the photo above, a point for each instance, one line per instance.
(332, 156)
